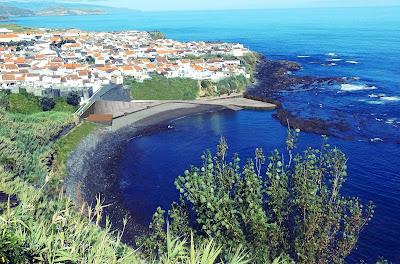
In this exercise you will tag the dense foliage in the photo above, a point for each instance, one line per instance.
(294, 209)
(233, 84)
(157, 35)
(47, 103)
(24, 103)
(162, 88)
(27, 103)
(73, 99)
(46, 227)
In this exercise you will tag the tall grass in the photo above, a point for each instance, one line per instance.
(46, 227)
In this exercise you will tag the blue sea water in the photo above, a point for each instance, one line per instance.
(345, 42)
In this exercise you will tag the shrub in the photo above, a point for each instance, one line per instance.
(73, 99)
(295, 209)
(46, 103)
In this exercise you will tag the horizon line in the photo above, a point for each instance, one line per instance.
(247, 9)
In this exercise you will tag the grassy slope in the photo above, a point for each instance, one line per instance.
(24, 103)
(44, 228)
(69, 142)
(161, 88)
(20, 103)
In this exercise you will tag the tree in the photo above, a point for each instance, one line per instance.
(46, 103)
(295, 209)
(90, 60)
(73, 99)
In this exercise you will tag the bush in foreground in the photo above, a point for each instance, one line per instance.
(295, 208)
(46, 227)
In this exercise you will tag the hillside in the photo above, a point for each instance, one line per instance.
(11, 11)
(8, 11)
(63, 11)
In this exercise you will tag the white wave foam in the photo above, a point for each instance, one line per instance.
(390, 98)
(352, 62)
(356, 87)
(390, 121)
(375, 102)
(333, 60)
(328, 64)
(331, 54)
(376, 95)
(303, 56)
(376, 139)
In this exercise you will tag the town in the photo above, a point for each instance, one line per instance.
(55, 62)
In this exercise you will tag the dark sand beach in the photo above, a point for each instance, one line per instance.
(92, 167)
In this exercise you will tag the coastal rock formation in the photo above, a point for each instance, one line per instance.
(276, 76)
(314, 125)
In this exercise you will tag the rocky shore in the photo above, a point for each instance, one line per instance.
(272, 77)
(93, 166)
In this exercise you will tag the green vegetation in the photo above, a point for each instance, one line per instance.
(26, 103)
(157, 35)
(46, 227)
(63, 106)
(46, 103)
(293, 210)
(73, 99)
(233, 84)
(162, 88)
(69, 142)
(15, 28)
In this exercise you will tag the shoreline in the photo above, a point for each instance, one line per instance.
(273, 77)
(98, 155)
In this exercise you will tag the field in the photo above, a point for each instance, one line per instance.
(23, 104)
(162, 88)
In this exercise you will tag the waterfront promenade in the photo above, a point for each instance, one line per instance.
(129, 113)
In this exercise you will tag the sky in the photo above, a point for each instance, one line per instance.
(168, 5)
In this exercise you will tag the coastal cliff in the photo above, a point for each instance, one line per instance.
(10, 11)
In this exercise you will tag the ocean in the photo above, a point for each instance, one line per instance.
(363, 43)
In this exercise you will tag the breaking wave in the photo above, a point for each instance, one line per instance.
(356, 87)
